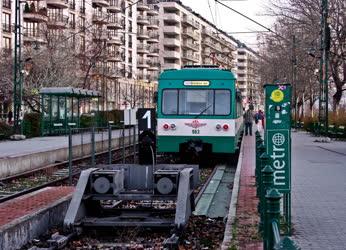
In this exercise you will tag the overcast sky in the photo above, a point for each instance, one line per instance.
(230, 21)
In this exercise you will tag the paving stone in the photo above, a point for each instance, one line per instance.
(31, 203)
(318, 193)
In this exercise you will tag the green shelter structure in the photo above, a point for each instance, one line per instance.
(62, 107)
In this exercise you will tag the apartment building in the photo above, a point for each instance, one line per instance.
(127, 34)
(188, 38)
(247, 80)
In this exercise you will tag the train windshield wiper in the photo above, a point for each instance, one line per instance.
(203, 111)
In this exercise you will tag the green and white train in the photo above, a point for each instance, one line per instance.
(199, 112)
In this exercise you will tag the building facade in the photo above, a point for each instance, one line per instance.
(122, 45)
(186, 38)
(116, 42)
(247, 80)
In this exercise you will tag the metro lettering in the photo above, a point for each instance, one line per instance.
(279, 177)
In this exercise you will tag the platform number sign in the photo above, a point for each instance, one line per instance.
(146, 119)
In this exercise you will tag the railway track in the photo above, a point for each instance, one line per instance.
(51, 175)
(201, 233)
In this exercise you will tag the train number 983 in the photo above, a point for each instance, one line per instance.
(195, 131)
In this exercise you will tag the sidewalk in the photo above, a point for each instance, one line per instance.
(247, 218)
(318, 193)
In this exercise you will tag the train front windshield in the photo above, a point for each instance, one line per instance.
(196, 102)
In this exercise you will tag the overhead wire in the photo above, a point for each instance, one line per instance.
(211, 12)
(252, 20)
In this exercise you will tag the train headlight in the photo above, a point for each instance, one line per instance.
(225, 127)
(165, 126)
(218, 126)
(173, 127)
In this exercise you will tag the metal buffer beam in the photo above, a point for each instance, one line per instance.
(97, 201)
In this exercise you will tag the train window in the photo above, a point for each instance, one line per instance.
(169, 101)
(222, 102)
(195, 102)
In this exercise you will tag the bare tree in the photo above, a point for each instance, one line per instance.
(302, 19)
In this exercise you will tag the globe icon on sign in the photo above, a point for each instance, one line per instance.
(278, 139)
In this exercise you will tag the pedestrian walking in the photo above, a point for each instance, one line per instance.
(9, 117)
(257, 118)
(261, 116)
(248, 117)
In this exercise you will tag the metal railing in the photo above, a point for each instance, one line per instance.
(269, 202)
(86, 143)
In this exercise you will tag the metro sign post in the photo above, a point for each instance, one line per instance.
(278, 140)
(278, 133)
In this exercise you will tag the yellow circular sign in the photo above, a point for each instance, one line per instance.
(277, 95)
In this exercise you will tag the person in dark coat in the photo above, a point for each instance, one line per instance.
(248, 118)
(10, 116)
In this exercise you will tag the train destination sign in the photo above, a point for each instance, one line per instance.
(196, 83)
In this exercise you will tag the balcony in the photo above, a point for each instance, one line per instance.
(171, 30)
(114, 6)
(171, 54)
(100, 34)
(115, 57)
(190, 45)
(171, 18)
(153, 52)
(171, 42)
(36, 15)
(153, 37)
(114, 40)
(142, 49)
(190, 21)
(141, 35)
(142, 6)
(6, 27)
(100, 18)
(153, 66)
(143, 20)
(57, 21)
(115, 23)
(190, 33)
(142, 63)
(153, 23)
(57, 4)
(171, 66)
(241, 64)
(209, 43)
(190, 57)
(101, 3)
(33, 36)
(153, 10)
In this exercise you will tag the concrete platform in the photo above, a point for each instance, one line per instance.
(20, 156)
(31, 215)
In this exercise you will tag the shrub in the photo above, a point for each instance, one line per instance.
(87, 121)
(5, 130)
(31, 124)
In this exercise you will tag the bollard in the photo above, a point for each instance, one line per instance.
(267, 183)
(272, 214)
(109, 144)
(70, 155)
(93, 146)
(264, 160)
(260, 149)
